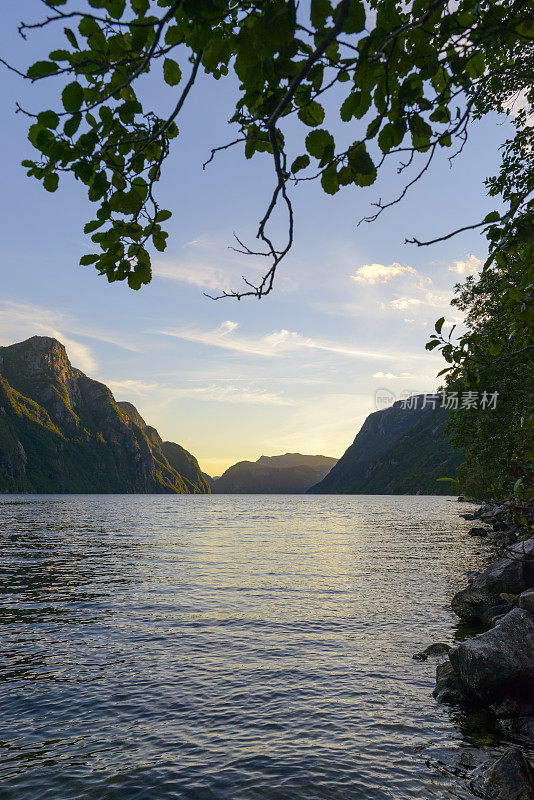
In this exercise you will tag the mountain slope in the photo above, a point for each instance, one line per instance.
(61, 431)
(170, 454)
(291, 473)
(397, 451)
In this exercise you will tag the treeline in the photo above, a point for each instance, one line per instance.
(495, 355)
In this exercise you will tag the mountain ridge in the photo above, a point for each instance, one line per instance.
(396, 451)
(291, 473)
(63, 432)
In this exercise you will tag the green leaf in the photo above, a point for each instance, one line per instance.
(72, 38)
(72, 97)
(93, 225)
(431, 345)
(171, 72)
(41, 68)
(89, 259)
(312, 114)
(72, 124)
(51, 182)
(493, 216)
(163, 215)
(360, 160)
(476, 65)
(355, 22)
(301, 162)
(319, 142)
(439, 324)
(320, 11)
(357, 104)
(159, 239)
(48, 119)
(329, 180)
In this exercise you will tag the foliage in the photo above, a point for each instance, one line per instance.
(413, 77)
(495, 354)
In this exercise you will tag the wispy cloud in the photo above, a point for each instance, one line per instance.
(212, 392)
(391, 376)
(208, 263)
(134, 387)
(275, 344)
(380, 273)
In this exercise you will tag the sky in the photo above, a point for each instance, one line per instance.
(295, 372)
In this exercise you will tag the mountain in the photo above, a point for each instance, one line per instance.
(61, 431)
(397, 451)
(291, 473)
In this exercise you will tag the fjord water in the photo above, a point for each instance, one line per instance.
(229, 647)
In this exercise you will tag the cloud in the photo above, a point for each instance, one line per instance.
(80, 355)
(471, 265)
(212, 392)
(275, 344)
(132, 387)
(210, 264)
(196, 273)
(390, 376)
(402, 303)
(379, 273)
(234, 394)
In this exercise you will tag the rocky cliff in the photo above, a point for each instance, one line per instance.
(397, 451)
(292, 473)
(61, 431)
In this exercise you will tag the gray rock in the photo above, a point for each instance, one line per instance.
(437, 649)
(511, 777)
(477, 532)
(499, 662)
(526, 600)
(447, 684)
(476, 605)
(518, 727)
(512, 574)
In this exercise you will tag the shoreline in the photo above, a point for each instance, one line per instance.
(492, 670)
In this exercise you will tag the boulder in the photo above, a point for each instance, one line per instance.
(447, 685)
(511, 777)
(511, 574)
(526, 600)
(500, 662)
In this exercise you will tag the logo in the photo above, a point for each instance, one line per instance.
(384, 398)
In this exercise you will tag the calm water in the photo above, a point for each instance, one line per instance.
(229, 648)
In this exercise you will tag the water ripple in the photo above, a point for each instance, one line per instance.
(229, 648)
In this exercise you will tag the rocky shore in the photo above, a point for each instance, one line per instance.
(494, 669)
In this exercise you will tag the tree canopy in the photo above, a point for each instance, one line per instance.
(411, 78)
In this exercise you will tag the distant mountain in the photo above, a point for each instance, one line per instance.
(397, 451)
(291, 473)
(61, 431)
